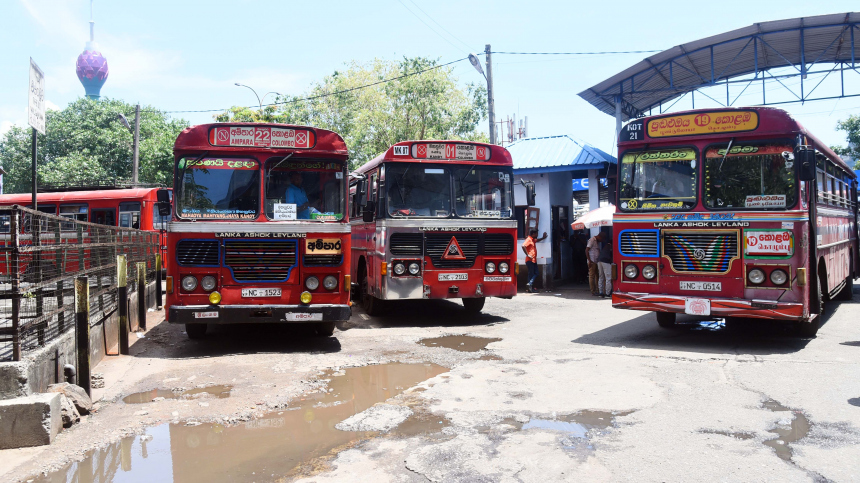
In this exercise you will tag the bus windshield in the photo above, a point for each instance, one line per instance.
(304, 189)
(218, 188)
(658, 180)
(750, 176)
(418, 190)
(483, 192)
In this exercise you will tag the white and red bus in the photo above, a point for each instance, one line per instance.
(434, 220)
(732, 213)
(260, 229)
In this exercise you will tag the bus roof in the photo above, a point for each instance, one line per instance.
(239, 137)
(25, 199)
(741, 122)
(434, 151)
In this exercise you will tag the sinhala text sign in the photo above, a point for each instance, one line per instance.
(36, 98)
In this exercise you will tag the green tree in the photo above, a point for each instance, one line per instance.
(429, 105)
(851, 126)
(86, 143)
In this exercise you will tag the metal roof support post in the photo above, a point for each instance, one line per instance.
(693, 95)
(852, 45)
(617, 118)
(755, 55)
(802, 63)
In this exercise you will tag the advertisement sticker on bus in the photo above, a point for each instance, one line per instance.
(284, 211)
(765, 201)
(702, 123)
(450, 151)
(768, 242)
(256, 136)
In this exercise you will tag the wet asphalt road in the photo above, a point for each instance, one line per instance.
(569, 390)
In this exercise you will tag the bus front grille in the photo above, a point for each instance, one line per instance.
(260, 260)
(435, 245)
(322, 260)
(498, 244)
(701, 251)
(199, 253)
(641, 243)
(407, 244)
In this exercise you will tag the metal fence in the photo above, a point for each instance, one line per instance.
(40, 257)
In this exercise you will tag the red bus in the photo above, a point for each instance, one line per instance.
(434, 220)
(260, 231)
(732, 213)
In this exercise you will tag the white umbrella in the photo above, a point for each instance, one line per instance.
(599, 217)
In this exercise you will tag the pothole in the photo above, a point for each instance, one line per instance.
(220, 392)
(577, 429)
(461, 343)
(787, 431)
(279, 444)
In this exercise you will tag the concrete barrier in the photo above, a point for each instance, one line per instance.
(30, 421)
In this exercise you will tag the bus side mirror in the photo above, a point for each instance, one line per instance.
(804, 156)
(369, 211)
(530, 193)
(163, 197)
(361, 192)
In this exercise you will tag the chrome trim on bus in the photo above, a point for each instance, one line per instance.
(819, 247)
(256, 227)
(448, 223)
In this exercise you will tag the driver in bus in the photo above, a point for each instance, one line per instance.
(296, 195)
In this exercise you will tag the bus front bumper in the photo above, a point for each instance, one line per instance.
(719, 307)
(257, 314)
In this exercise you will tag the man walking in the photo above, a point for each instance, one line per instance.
(592, 250)
(604, 266)
(530, 249)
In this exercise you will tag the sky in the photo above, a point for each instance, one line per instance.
(186, 55)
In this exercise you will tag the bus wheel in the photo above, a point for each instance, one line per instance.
(665, 319)
(810, 328)
(474, 306)
(195, 331)
(372, 306)
(324, 329)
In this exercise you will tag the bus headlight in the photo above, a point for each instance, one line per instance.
(504, 267)
(189, 283)
(756, 276)
(312, 283)
(778, 277)
(399, 268)
(414, 268)
(330, 282)
(649, 272)
(208, 283)
(630, 271)
(490, 267)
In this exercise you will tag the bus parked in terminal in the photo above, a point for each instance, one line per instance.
(434, 220)
(259, 230)
(732, 213)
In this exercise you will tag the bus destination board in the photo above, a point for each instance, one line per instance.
(713, 122)
(261, 137)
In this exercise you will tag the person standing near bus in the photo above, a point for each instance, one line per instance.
(592, 250)
(604, 267)
(530, 249)
(296, 195)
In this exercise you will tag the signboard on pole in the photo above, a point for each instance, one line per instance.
(36, 98)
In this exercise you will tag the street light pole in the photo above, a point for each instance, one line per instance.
(135, 165)
(491, 102)
(260, 102)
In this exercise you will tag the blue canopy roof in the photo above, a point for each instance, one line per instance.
(556, 153)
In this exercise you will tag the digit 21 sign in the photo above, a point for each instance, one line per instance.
(261, 137)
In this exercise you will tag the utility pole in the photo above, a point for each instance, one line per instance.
(491, 103)
(135, 166)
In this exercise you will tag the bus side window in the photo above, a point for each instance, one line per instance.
(821, 192)
(73, 212)
(129, 214)
(105, 216)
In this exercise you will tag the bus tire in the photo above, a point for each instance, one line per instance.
(474, 306)
(195, 331)
(809, 329)
(324, 329)
(665, 319)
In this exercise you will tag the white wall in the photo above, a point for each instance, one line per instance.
(542, 201)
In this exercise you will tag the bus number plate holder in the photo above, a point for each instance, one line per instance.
(449, 277)
(205, 315)
(697, 306)
(261, 292)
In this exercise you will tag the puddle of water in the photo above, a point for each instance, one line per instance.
(854, 401)
(578, 428)
(264, 449)
(462, 343)
(797, 430)
(220, 392)
(706, 325)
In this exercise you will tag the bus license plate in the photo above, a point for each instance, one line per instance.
(261, 292)
(205, 315)
(703, 286)
(449, 277)
(303, 317)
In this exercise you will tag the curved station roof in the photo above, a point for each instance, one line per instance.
(798, 43)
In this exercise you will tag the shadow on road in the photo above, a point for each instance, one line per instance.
(419, 313)
(171, 342)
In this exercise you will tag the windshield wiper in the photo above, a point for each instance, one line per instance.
(720, 170)
(269, 171)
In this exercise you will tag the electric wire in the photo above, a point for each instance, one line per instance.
(440, 25)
